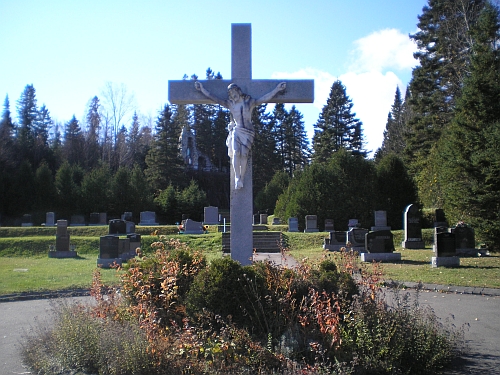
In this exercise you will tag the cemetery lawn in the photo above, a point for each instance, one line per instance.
(25, 266)
(415, 265)
(40, 273)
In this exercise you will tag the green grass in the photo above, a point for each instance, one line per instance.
(415, 266)
(41, 273)
(24, 249)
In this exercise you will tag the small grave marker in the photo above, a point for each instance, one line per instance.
(412, 229)
(293, 224)
(311, 224)
(211, 215)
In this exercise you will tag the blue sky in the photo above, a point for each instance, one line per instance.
(69, 49)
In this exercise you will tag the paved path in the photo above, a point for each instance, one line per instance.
(480, 314)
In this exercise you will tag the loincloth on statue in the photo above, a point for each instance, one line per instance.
(239, 140)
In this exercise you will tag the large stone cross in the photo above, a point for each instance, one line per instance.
(297, 91)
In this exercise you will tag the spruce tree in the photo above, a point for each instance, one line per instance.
(394, 140)
(164, 165)
(27, 113)
(444, 46)
(42, 126)
(296, 143)
(469, 154)
(264, 155)
(91, 148)
(337, 127)
(73, 142)
(7, 155)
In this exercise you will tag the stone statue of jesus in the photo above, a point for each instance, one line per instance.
(241, 130)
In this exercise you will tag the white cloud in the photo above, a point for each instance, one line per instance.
(381, 50)
(372, 94)
(370, 81)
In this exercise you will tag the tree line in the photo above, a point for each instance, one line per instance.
(440, 145)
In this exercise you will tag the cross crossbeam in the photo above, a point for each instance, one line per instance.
(185, 92)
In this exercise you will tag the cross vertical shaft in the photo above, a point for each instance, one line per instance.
(241, 51)
(184, 92)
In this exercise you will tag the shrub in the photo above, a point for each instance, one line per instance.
(176, 315)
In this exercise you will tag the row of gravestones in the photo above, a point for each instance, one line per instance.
(148, 218)
(119, 245)
(374, 245)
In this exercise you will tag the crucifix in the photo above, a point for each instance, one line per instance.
(240, 95)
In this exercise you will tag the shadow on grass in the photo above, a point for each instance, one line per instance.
(413, 262)
(479, 267)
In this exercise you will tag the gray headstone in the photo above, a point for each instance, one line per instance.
(412, 229)
(193, 227)
(380, 221)
(353, 223)
(440, 218)
(335, 241)
(109, 247)
(444, 243)
(26, 221)
(117, 226)
(379, 242)
(129, 227)
(103, 218)
(311, 224)
(211, 215)
(465, 240)
(77, 220)
(356, 236)
(276, 221)
(135, 242)
(62, 228)
(62, 236)
(148, 218)
(329, 227)
(124, 249)
(263, 219)
(293, 224)
(94, 218)
(63, 248)
(256, 219)
(127, 216)
(50, 219)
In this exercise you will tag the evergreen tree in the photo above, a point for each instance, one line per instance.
(121, 191)
(73, 142)
(141, 198)
(339, 189)
(23, 194)
(68, 185)
(266, 199)
(265, 158)
(394, 133)
(337, 127)
(444, 46)
(164, 164)
(469, 160)
(96, 190)
(46, 194)
(41, 128)
(121, 154)
(279, 129)
(297, 144)
(91, 148)
(133, 142)
(6, 137)
(7, 157)
(27, 115)
(394, 187)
